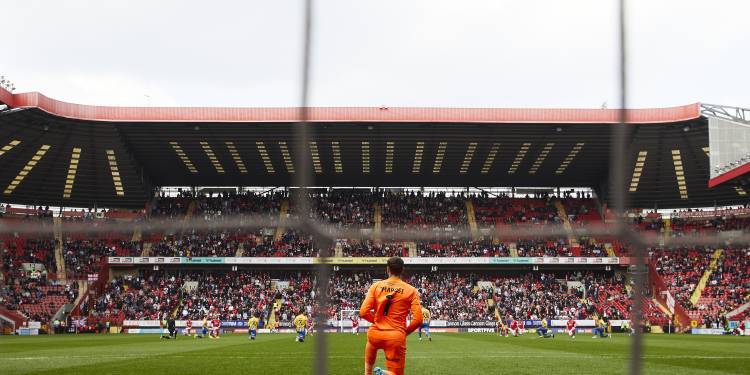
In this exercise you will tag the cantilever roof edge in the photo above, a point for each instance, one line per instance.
(347, 114)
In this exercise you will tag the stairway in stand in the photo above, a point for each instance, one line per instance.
(667, 227)
(412, 246)
(378, 228)
(240, 250)
(146, 249)
(513, 249)
(661, 307)
(281, 227)
(572, 241)
(188, 217)
(83, 291)
(472, 219)
(715, 258)
(610, 250)
(137, 234)
(59, 258)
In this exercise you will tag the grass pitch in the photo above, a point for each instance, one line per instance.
(446, 354)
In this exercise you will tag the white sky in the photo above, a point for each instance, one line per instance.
(494, 53)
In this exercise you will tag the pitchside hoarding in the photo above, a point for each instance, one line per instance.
(369, 260)
(346, 323)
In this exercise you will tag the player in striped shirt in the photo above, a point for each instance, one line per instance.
(300, 323)
(425, 325)
(252, 327)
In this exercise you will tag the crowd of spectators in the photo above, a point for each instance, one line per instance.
(418, 210)
(198, 244)
(16, 251)
(697, 227)
(370, 248)
(84, 257)
(540, 295)
(292, 243)
(681, 269)
(217, 204)
(728, 286)
(491, 211)
(145, 297)
(34, 295)
(438, 212)
(680, 227)
(542, 248)
(197, 294)
(462, 248)
(235, 296)
(454, 296)
(345, 208)
(581, 211)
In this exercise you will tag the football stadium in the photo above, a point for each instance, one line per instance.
(329, 239)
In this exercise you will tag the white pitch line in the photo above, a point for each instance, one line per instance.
(431, 356)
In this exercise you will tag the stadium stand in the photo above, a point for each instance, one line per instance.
(530, 295)
(37, 297)
(727, 288)
(169, 256)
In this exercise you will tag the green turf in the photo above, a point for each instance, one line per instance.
(447, 354)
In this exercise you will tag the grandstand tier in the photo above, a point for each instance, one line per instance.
(120, 275)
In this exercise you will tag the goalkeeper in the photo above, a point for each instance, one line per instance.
(386, 306)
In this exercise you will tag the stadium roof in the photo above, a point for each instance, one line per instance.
(64, 154)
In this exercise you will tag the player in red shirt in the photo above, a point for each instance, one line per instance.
(571, 328)
(215, 325)
(188, 327)
(514, 331)
(310, 326)
(740, 330)
(355, 325)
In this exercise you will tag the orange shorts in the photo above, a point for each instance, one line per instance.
(393, 343)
